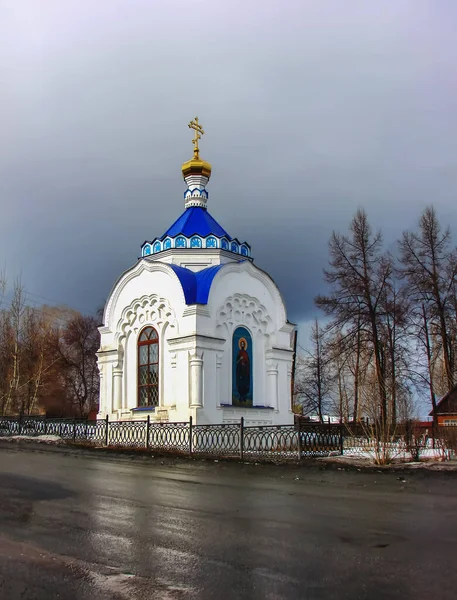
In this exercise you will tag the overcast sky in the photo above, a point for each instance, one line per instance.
(311, 108)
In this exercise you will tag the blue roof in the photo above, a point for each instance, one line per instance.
(195, 221)
(196, 286)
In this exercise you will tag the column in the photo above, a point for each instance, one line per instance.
(272, 385)
(289, 387)
(101, 393)
(117, 391)
(218, 380)
(196, 380)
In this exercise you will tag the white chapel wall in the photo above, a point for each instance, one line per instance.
(255, 304)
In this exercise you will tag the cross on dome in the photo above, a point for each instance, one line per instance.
(195, 125)
(196, 172)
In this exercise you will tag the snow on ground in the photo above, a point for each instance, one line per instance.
(37, 438)
(425, 454)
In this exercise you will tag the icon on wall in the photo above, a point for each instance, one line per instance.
(242, 368)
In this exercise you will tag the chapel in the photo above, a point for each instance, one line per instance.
(194, 328)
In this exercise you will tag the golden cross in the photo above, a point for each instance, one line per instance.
(195, 125)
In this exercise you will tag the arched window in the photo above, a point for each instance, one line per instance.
(157, 247)
(148, 368)
(242, 368)
(234, 247)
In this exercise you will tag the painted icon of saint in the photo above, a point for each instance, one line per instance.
(243, 370)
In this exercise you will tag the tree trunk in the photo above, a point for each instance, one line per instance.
(356, 374)
(430, 367)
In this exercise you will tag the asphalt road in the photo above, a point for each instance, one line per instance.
(88, 527)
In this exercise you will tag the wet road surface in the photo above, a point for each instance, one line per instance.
(87, 527)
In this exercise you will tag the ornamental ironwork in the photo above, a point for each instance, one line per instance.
(271, 442)
(127, 433)
(231, 440)
(171, 437)
(216, 440)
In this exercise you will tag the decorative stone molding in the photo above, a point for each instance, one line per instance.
(135, 271)
(120, 357)
(196, 197)
(147, 310)
(199, 310)
(241, 309)
(106, 356)
(269, 283)
(193, 340)
(283, 354)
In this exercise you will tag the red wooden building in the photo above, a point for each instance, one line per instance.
(447, 409)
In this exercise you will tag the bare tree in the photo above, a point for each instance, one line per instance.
(358, 276)
(429, 267)
(313, 384)
(395, 309)
(13, 331)
(78, 344)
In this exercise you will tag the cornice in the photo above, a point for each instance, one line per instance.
(195, 251)
(196, 310)
(197, 338)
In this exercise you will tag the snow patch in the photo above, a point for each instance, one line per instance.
(37, 438)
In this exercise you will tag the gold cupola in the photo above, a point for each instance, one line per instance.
(196, 166)
(196, 172)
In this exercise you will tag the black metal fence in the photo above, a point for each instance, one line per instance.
(236, 440)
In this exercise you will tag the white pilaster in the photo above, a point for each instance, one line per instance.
(117, 385)
(196, 380)
(219, 395)
(272, 376)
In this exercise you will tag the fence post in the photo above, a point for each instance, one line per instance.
(190, 435)
(20, 423)
(341, 439)
(106, 430)
(45, 424)
(241, 438)
(299, 438)
(74, 428)
(148, 423)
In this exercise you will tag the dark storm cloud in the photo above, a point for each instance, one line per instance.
(311, 109)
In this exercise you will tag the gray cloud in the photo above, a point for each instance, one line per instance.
(311, 109)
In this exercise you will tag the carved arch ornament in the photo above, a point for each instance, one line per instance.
(147, 310)
(132, 273)
(265, 279)
(241, 309)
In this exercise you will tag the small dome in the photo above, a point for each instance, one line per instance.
(196, 166)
